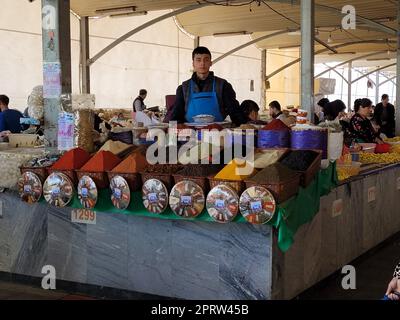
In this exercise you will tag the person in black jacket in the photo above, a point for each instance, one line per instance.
(384, 115)
(205, 93)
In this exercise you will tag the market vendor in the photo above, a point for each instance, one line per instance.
(275, 110)
(361, 128)
(138, 103)
(205, 93)
(251, 109)
(9, 118)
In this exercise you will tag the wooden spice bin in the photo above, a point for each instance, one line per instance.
(203, 182)
(166, 178)
(99, 178)
(134, 180)
(237, 185)
(41, 172)
(282, 190)
(308, 176)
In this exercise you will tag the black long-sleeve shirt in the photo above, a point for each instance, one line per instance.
(226, 99)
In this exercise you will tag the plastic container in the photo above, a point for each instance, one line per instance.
(22, 140)
(301, 120)
(382, 148)
(302, 113)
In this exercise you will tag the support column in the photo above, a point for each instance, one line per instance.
(398, 73)
(196, 42)
(377, 88)
(56, 41)
(307, 57)
(263, 93)
(349, 84)
(84, 46)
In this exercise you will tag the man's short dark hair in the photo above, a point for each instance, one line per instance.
(142, 92)
(323, 102)
(385, 96)
(248, 106)
(275, 104)
(4, 99)
(201, 50)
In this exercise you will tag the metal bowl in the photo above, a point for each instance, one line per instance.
(203, 118)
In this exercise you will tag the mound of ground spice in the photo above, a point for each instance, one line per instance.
(102, 161)
(230, 172)
(276, 125)
(71, 160)
(299, 160)
(134, 163)
(274, 173)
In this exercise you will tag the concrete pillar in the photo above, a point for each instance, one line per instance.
(349, 84)
(377, 88)
(263, 93)
(196, 42)
(56, 42)
(398, 73)
(307, 57)
(84, 46)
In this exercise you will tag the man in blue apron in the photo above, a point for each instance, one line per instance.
(205, 93)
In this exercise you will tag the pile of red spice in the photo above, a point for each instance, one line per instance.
(276, 125)
(102, 161)
(71, 160)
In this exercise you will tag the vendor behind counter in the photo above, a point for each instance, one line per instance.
(9, 118)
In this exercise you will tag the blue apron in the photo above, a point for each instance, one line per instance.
(203, 103)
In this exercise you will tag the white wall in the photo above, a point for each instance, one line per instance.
(157, 58)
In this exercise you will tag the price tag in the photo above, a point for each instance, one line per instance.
(83, 216)
(27, 188)
(186, 200)
(220, 204)
(84, 192)
(255, 206)
(152, 197)
(117, 193)
(398, 183)
(337, 208)
(371, 194)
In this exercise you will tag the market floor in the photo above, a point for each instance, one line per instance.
(373, 272)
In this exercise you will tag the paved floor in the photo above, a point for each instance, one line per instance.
(373, 272)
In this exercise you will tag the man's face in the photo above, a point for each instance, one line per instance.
(202, 63)
(271, 111)
(253, 116)
(385, 101)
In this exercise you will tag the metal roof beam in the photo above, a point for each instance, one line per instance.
(325, 50)
(376, 70)
(144, 26)
(345, 80)
(369, 22)
(253, 42)
(350, 60)
(389, 80)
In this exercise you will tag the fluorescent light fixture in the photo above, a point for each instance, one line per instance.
(116, 10)
(294, 33)
(129, 14)
(227, 34)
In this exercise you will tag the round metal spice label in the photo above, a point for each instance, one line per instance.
(87, 192)
(155, 196)
(257, 205)
(187, 199)
(58, 189)
(222, 203)
(120, 192)
(30, 187)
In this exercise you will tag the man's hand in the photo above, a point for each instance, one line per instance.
(393, 289)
